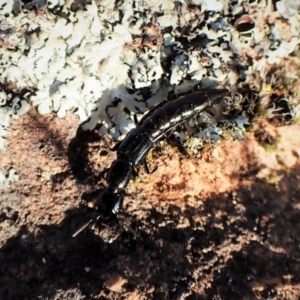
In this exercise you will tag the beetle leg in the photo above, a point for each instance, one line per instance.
(104, 172)
(135, 119)
(172, 140)
(116, 146)
(146, 166)
(134, 173)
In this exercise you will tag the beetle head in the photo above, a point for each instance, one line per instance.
(109, 203)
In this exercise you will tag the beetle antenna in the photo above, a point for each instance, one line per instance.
(82, 227)
(85, 226)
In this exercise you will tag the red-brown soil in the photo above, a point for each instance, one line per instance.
(222, 226)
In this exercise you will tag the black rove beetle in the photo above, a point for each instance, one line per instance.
(159, 122)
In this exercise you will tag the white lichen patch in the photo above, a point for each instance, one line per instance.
(108, 60)
(16, 108)
(7, 180)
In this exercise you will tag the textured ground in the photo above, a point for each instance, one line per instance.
(221, 226)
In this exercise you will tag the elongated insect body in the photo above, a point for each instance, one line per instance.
(156, 124)
(169, 114)
(135, 146)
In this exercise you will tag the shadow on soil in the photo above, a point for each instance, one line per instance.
(246, 246)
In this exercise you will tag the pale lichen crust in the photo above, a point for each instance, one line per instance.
(107, 61)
